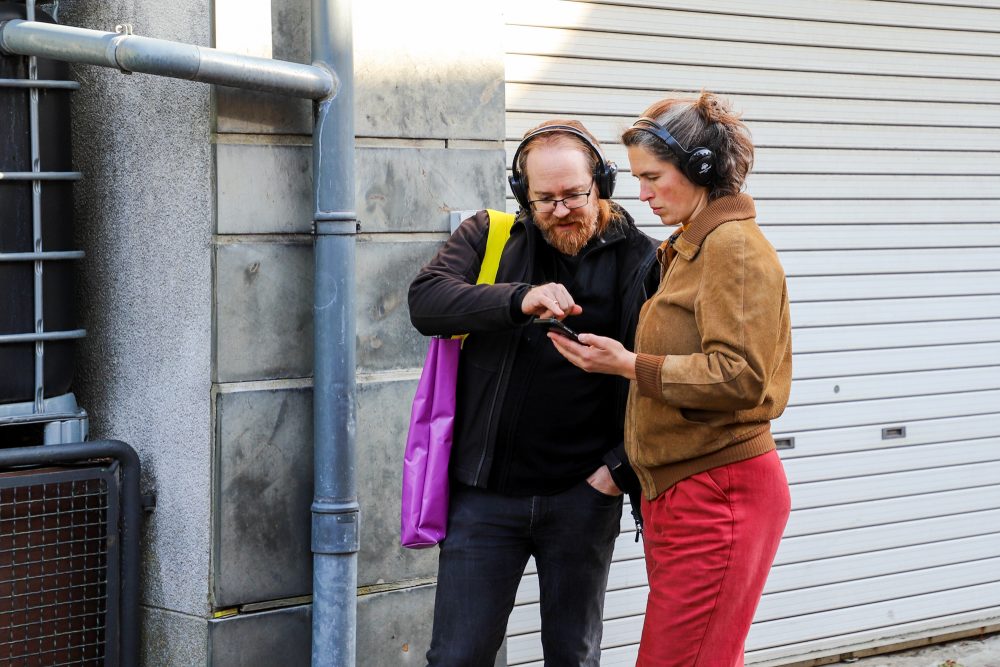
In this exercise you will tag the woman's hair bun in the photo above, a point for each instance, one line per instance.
(711, 107)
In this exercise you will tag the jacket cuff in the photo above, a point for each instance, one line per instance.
(621, 472)
(516, 299)
(647, 374)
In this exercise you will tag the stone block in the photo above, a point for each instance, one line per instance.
(249, 112)
(414, 189)
(386, 339)
(383, 418)
(276, 637)
(263, 310)
(263, 493)
(264, 188)
(429, 74)
(397, 627)
(267, 188)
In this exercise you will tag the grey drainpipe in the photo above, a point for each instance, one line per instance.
(335, 503)
(335, 507)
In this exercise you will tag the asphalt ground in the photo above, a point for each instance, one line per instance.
(984, 652)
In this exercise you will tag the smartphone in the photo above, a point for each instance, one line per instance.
(558, 327)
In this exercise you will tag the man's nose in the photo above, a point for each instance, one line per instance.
(645, 193)
(561, 210)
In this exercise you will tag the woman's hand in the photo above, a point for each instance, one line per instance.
(597, 354)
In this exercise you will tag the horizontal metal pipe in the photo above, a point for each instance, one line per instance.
(39, 83)
(131, 53)
(48, 335)
(51, 255)
(40, 175)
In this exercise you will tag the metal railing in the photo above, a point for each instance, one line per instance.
(39, 255)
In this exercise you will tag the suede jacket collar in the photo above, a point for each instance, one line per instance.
(724, 209)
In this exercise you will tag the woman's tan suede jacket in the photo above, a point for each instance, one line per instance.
(714, 348)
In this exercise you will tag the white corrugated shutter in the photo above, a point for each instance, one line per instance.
(877, 126)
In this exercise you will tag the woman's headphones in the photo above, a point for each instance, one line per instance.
(604, 173)
(697, 164)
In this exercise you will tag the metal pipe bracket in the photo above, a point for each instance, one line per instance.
(335, 528)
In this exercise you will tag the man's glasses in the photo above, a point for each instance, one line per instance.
(577, 200)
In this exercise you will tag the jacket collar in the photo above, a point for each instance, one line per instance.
(724, 209)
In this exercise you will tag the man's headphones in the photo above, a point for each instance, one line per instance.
(604, 173)
(697, 164)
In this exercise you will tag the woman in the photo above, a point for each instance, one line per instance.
(712, 368)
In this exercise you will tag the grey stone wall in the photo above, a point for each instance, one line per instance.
(429, 124)
(197, 290)
(144, 216)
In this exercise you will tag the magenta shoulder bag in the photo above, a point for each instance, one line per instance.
(424, 511)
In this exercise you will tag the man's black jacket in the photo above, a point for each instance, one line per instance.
(444, 300)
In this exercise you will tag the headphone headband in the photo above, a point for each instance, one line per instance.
(697, 164)
(604, 173)
(658, 130)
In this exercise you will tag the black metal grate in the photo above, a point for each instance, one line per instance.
(55, 552)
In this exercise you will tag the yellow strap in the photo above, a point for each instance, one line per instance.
(499, 232)
(500, 225)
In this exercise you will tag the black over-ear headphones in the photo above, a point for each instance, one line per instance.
(697, 164)
(604, 173)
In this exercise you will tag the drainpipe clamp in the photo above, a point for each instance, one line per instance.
(113, 45)
(336, 223)
(335, 527)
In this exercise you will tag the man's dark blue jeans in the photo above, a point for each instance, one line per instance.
(490, 538)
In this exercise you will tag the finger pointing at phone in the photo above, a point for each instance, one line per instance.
(550, 300)
(596, 354)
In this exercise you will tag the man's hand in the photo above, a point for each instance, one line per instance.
(550, 300)
(601, 480)
(598, 354)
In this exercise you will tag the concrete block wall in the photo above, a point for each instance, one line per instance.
(196, 293)
(429, 126)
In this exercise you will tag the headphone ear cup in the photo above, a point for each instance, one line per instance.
(605, 178)
(701, 166)
(520, 192)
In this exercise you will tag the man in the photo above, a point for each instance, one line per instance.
(538, 466)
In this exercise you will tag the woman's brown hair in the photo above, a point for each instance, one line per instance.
(707, 121)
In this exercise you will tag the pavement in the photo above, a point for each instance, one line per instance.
(984, 652)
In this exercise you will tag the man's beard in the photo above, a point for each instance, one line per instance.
(569, 242)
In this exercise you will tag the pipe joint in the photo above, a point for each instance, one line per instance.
(157, 56)
(331, 80)
(335, 527)
(111, 52)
